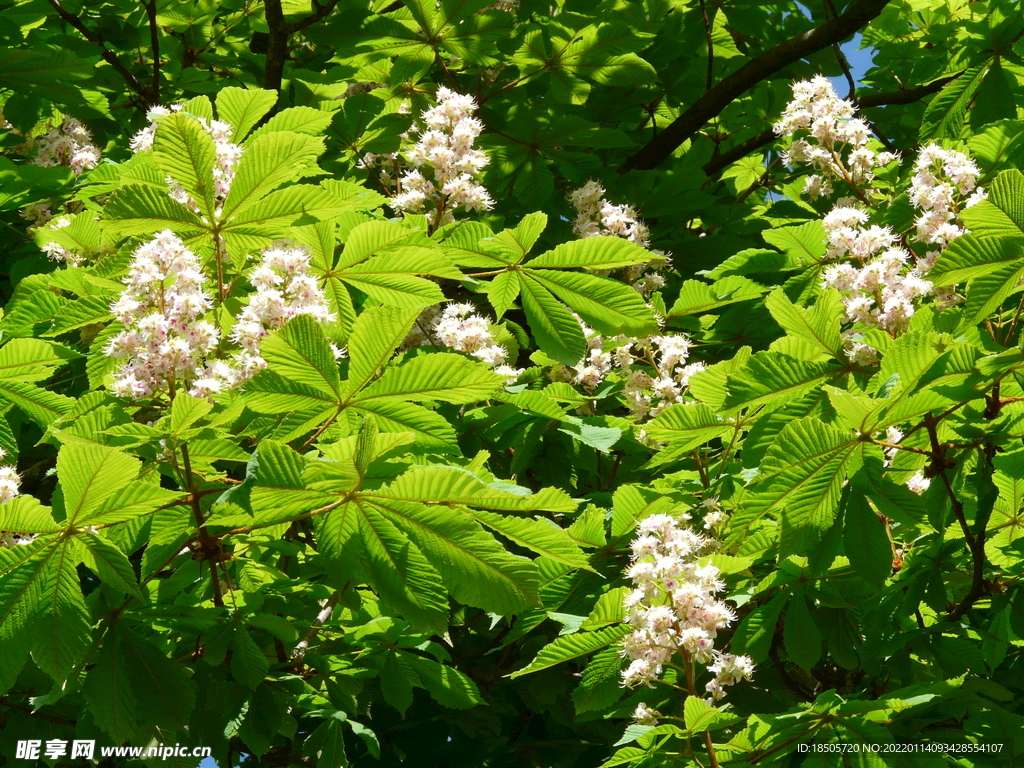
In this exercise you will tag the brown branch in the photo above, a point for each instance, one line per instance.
(5, 702)
(869, 101)
(711, 103)
(154, 42)
(106, 53)
(277, 45)
(319, 12)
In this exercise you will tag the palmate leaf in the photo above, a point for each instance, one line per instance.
(440, 376)
(280, 491)
(571, 647)
(142, 210)
(300, 353)
(818, 324)
(802, 476)
(603, 252)
(454, 485)
(185, 151)
(970, 257)
(696, 297)
(946, 113)
(776, 378)
(296, 119)
(399, 571)
(539, 535)
(41, 405)
(375, 336)
(108, 691)
(609, 306)
(686, 426)
(557, 332)
(279, 210)
(269, 161)
(473, 566)
(431, 430)
(242, 108)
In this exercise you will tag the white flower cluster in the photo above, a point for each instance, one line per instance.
(673, 609)
(831, 129)
(459, 327)
(68, 144)
(9, 480)
(57, 252)
(597, 216)
(647, 390)
(880, 278)
(945, 182)
(881, 284)
(918, 483)
(228, 153)
(445, 164)
(165, 339)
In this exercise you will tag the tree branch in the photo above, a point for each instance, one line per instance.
(106, 53)
(712, 102)
(277, 45)
(869, 101)
(154, 43)
(320, 11)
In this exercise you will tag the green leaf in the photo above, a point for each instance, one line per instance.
(446, 685)
(947, 111)
(686, 426)
(610, 307)
(802, 476)
(776, 378)
(473, 566)
(970, 257)
(375, 336)
(539, 535)
(108, 691)
(400, 573)
(249, 665)
(269, 161)
(243, 108)
(90, 474)
(454, 485)
(557, 332)
(570, 647)
(865, 540)
(700, 716)
(754, 634)
(300, 353)
(696, 297)
(602, 252)
(440, 376)
(819, 324)
(801, 634)
(186, 153)
(107, 561)
(137, 210)
(280, 491)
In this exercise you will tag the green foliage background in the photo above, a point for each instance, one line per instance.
(427, 569)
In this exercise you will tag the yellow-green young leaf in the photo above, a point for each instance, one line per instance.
(970, 256)
(604, 252)
(818, 324)
(608, 609)
(393, 415)
(599, 685)
(455, 485)
(249, 665)
(588, 530)
(440, 376)
(539, 535)
(515, 244)
(371, 238)
(502, 292)
(399, 572)
(24, 514)
(269, 161)
(275, 213)
(801, 634)
(570, 647)
(474, 567)
(557, 332)
(41, 405)
(1001, 215)
(986, 292)
(62, 628)
(242, 108)
(28, 360)
(139, 210)
(696, 297)
(280, 491)
(185, 152)
(609, 306)
(802, 476)
(686, 426)
(774, 377)
(186, 411)
(701, 716)
(90, 474)
(298, 119)
(103, 558)
(301, 353)
(375, 336)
